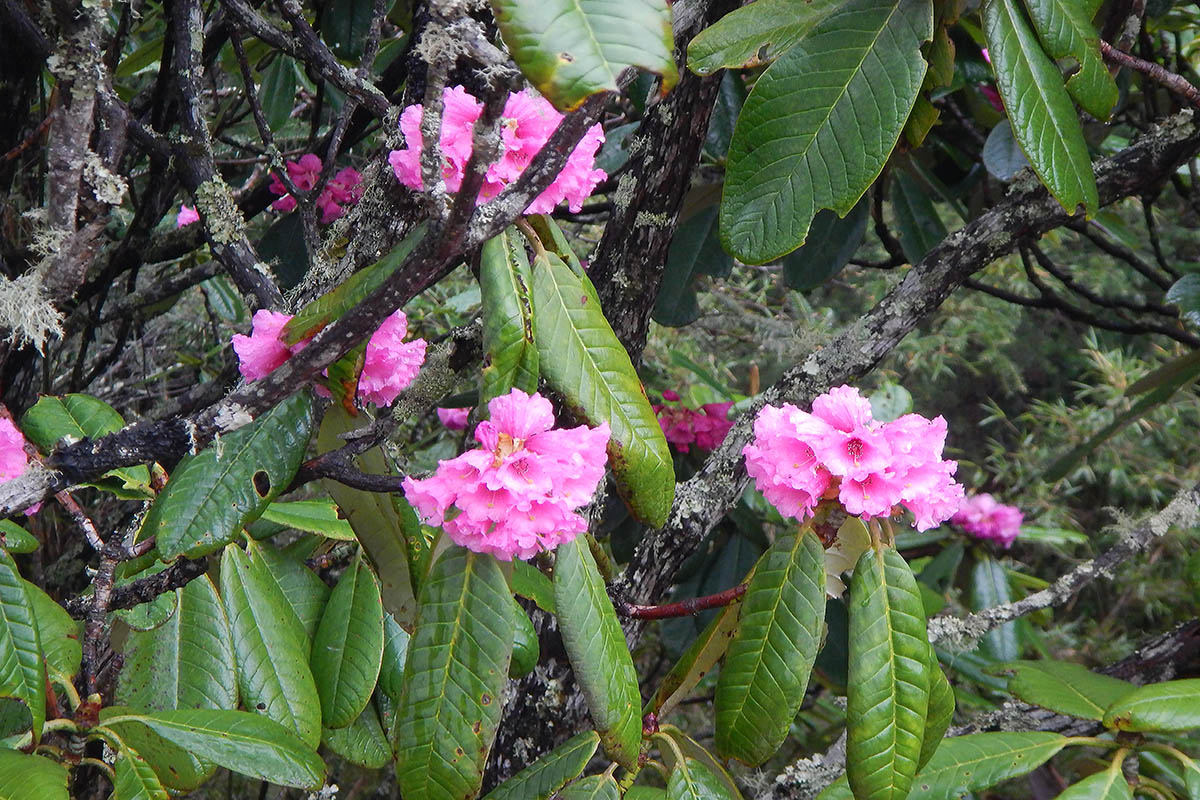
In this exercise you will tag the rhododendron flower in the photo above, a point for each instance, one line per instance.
(517, 494)
(342, 190)
(389, 363)
(984, 517)
(796, 458)
(187, 215)
(704, 427)
(528, 120)
(13, 458)
(454, 419)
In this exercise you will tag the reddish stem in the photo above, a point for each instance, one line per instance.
(684, 608)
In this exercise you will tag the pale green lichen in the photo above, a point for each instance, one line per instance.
(221, 214)
(26, 313)
(109, 189)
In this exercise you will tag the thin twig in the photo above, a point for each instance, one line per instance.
(1155, 72)
(683, 608)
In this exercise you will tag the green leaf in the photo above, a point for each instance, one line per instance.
(270, 645)
(16, 539)
(989, 588)
(385, 525)
(695, 249)
(136, 779)
(757, 33)
(692, 751)
(145, 616)
(505, 285)
(700, 657)
(1039, 108)
(766, 670)
(888, 682)
(176, 768)
(526, 649)
(457, 669)
(278, 95)
(1166, 706)
(530, 582)
(1002, 155)
(395, 654)
(596, 648)
(691, 780)
(832, 242)
(188, 662)
(550, 773)
(311, 516)
(583, 360)
(27, 776)
(362, 742)
(593, 787)
(213, 494)
(977, 761)
(1185, 293)
(247, 743)
(80, 416)
(22, 674)
(802, 145)
(306, 593)
(570, 49)
(645, 793)
(348, 647)
(1065, 687)
(328, 307)
(1066, 30)
(1107, 785)
(145, 55)
(941, 710)
(345, 25)
(917, 219)
(58, 634)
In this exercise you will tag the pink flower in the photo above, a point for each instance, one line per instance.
(13, 458)
(454, 419)
(528, 121)
(704, 427)
(796, 456)
(343, 189)
(984, 518)
(262, 351)
(390, 363)
(187, 215)
(518, 493)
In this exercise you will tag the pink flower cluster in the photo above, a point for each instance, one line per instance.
(983, 517)
(343, 188)
(13, 458)
(187, 215)
(454, 419)
(389, 365)
(704, 427)
(528, 121)
(798, 458)
(517, 494)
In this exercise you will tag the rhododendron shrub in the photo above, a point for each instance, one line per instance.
(984, 517)
(343, 189)
(517, 493)
(527, 122)
(798, 458)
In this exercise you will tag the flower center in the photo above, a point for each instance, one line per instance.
(855, 448)
(506, 445)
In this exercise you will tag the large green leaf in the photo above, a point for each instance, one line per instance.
(278, 93)
(187, 662)
(693, 751)
(803, 144)
(1066, 30)
(596, 647)
(271, 647)
(526, 650)
(506, 286)
(348, 648)
(247, 743)
(135, 779)
(456, 671)
(312, 516)
(691, 780)
(383, 523)
(756, 33)
(176, 768)
(1166, 706)
(766, 670)
(941, 710)
(80, 416)
(695, 249)
(583, 360)
(306, 593)
(22, 674)
(1039, 108)
(989, 588)
(887, 689)
(1065, 687)
(917, 220)
(977, 761)
(395, 654)
(328, 307)
(541, 779)
(362, 742)
(570, 49)
(212, 495)
(58, 634)
(27, 776)
(530, 582)
(1107, 785)
(832, 242)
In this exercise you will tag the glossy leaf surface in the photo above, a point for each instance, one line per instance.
(691, 780)
(596, 647)
(506, 291)
(362, 742)
(989, 588)
(1166, 706)
(27, 776)
(766, 669)
(312, 516)
(1066, 30)
(305, 592)
(541, 779)
(1065, 687)
(977, 761)
(832, 242)
(135, 779)
(58, 634)
(941, 710)
(1107, 785)
(22, 674)
(348, 647)
(757, 33)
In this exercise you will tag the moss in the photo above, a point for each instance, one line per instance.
(221, 214)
